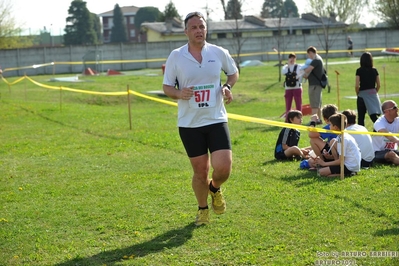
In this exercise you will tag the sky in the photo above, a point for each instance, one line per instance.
(33, 16)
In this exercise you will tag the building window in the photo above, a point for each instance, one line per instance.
(291, 32)
(131, 20)
(306, 31)
(110, 23)
(132, 33)
(221, 35)
(276, 33)
(237, 34)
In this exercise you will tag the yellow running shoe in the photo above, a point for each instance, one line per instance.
(202, 217)
(218, 202)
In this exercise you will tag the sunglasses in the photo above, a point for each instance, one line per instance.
(392, 108)
(193, 14)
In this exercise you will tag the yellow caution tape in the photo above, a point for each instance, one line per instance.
(231, 116)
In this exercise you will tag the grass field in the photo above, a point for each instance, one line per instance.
(78, 187)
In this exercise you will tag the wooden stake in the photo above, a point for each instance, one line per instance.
(128, 107)
(385, 88)
(60, 98)
(338, 89)
(342, 157)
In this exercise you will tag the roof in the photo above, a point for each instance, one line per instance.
(126, 10)
(249, 23)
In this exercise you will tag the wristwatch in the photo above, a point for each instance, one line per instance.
(227, 85)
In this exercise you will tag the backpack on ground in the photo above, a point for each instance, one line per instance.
(290, 77)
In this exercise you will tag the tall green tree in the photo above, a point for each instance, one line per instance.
(170, 12)
(118, 31)
(97, 26)
(79, 29)
(146, 14)
(272, 9)
(233, 10)
(389, 11)
(290, 9)
(279, 8)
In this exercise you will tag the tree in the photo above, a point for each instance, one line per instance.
(331, 11)
(118, 31)
(389, 10)
(347, 11)
(97, 26)
(290, 9)
(276, 8)
(9, 30)
(272, 9)
(233, 10)
(224, 8)
(147, 14)
(170, 12)
(79, 29)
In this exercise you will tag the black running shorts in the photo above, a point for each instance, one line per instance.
(197, 141)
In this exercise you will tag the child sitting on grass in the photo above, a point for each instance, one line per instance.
(352, 156)
(320, 142)
(287, 142)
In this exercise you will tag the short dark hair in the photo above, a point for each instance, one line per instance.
(292, 55)
(350, 116)
(292, 114)
(329, 110)
(193, 14)
(336, 119)
(312, 49)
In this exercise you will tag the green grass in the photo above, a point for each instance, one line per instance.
(78, 187)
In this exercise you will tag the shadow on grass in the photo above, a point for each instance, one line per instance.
(390, 231)
(168, 240)
(379, 213)
(302, 177)
(271, 86)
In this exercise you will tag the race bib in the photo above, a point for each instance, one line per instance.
(204, 96)
(390, 146)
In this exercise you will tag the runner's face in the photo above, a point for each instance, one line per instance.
(196, 30)
(291, 60)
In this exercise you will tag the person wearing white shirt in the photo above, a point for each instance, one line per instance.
(352, 156)
(364, 141)
(192, 77)
(292, 91)
(386, 147)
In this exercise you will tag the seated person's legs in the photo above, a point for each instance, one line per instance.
(392, 156)
(293, 151)
(317, 145)
(333, 170)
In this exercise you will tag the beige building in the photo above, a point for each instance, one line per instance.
(249, 26)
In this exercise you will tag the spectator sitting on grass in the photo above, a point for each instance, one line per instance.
(352, 156)
(287, 142)
(386, 147)
(319, 142)
(363, 140)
